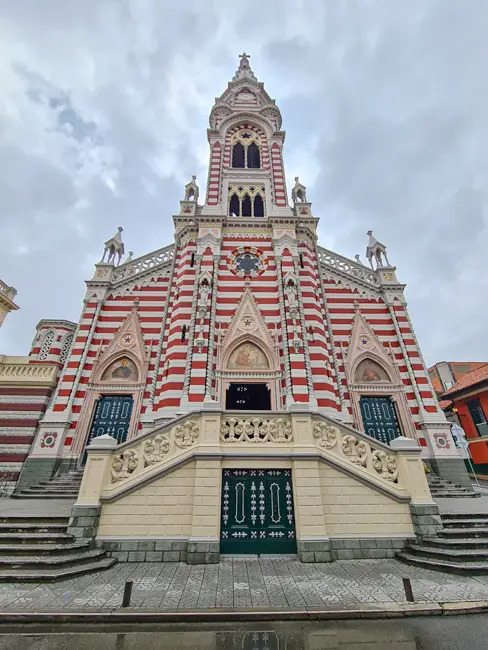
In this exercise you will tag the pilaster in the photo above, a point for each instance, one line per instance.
(204, 544)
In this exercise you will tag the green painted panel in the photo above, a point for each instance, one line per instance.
(257, 512)
(379, 418)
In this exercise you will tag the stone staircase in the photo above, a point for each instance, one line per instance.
(37, 548)
(443, 489)
(62, 486)
(461, 547)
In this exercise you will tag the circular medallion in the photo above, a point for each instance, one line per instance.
(247, 261)
(247, 323)
(127, 340)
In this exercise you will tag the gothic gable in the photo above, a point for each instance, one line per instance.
(125, 358)
(248, 341)
(367, 361)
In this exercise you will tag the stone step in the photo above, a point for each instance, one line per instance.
(43, 548)
(466, 522)
(37, 526)
(460, 542)
(55, 573)
(461, 554)
(20, 538)
(50, 493)
(61, 482)
(465, 568)
(463, 515)
(43, 496)
(464, 532)
(28, 519)
(34, 561)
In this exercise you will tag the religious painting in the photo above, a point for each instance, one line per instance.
(248, 356)
(121, 369)
(368, 371)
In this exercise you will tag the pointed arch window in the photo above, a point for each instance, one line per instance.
(234, 207)
(258, 206)
(238, 156)
(246, 151)
(246, 206)
(253, 156)
(246, 200)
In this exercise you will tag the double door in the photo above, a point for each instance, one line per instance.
(112, 417)
(257, 512)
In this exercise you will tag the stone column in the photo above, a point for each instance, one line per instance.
(184, 402)
(289, 401)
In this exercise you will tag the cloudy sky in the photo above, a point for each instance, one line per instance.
(103, 116)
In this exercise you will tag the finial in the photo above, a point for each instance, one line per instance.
(244, 70)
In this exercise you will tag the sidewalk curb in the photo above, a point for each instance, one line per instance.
(215, 615)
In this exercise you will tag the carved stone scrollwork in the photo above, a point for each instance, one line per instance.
(326, 434)
(356, 450)
(124, 465)
(385, 465)
(155, 449)
(256, 430)
(187, 433)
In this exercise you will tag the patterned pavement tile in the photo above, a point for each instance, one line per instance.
(242, 583)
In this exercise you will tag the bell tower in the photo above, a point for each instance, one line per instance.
(246, 177)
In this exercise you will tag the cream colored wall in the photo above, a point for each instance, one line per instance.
(163, 508)
(352, 508)
(186, 503)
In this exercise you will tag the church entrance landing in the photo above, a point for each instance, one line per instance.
(248, 397)
(257, 512)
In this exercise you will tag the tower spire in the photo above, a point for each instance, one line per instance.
(244, 70)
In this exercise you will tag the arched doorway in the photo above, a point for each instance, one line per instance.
(248, 389)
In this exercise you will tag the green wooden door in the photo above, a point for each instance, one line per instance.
(112, 417)
(257, 512)
(379, 418)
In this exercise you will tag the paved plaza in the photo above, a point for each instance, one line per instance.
(246, 583)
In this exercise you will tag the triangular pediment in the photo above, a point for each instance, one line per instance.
(365, 345)
(127, 343)
(248, 322)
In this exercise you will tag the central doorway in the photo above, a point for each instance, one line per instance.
(257, 512)
(248, 397)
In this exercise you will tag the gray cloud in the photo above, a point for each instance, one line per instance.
(105, 113)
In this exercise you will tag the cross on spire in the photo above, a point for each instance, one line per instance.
(244, 71)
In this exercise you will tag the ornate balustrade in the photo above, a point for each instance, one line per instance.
(256, 430)
(145, 263)
(154, 449)
(357, 450)
(347, 267)
(18, 373)
(6, 291)
(230, 434)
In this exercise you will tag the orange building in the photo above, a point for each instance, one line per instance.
(445, 374)
(468, 400)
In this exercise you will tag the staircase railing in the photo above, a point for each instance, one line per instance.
(234, 434)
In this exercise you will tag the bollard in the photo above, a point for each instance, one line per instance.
(127, 593)
(407, 585)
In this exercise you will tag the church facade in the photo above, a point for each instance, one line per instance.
(245, 389)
